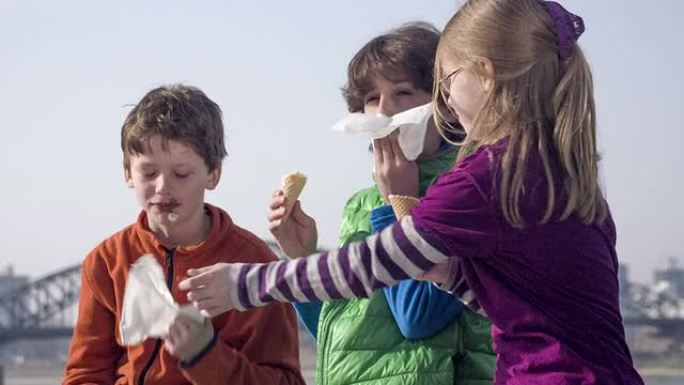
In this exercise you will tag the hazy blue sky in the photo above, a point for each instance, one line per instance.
(68, 70)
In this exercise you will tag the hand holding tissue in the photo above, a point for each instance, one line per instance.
(148, 307)
(412, 125)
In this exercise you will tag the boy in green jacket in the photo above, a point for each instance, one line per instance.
(412, 333)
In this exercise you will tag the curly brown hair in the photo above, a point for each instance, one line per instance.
(176, 112)
(404, 53)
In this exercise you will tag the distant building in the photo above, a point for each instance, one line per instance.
(673, 278)
(623, 279)
(9, 281)
(628, 306)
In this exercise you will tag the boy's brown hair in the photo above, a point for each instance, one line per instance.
(405, 53)
(176, 112)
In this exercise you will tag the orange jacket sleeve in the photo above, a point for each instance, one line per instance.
(259, 346)
(94, 352)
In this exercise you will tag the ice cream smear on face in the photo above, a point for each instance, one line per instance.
(166, 210)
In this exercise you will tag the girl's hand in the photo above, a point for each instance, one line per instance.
(297, 234)
(186, 337)
(209, 288)
(394, 174)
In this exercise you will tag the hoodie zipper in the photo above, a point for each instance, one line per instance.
(157, 344)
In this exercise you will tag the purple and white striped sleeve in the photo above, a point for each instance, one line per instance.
(357, 270)
(457, 285)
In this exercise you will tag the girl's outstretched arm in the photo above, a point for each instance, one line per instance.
(455, 219)
(398, 252)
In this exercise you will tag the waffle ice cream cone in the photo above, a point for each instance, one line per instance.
(293, 185)
(402, 204)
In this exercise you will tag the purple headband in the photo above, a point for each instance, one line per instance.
(568, 27)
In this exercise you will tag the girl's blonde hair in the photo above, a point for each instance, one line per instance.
(538, 103)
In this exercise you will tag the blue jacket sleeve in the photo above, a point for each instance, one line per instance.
(381, 217)
(309, 313)
(420, 309)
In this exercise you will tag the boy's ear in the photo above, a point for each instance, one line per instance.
(128, 178)
(488, 73)
(214, 178)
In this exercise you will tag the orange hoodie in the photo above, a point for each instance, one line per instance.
(259, 346)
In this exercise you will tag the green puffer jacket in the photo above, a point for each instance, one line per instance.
(359, 341)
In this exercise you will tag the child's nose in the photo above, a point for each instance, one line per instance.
(386, 106)
(162, 184)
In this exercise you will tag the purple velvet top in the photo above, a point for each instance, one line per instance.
(551, 290)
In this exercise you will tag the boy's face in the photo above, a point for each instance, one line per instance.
(169, 183)
(389, 97)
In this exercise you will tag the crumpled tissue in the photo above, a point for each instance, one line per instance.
(148, 307)
(412, 125)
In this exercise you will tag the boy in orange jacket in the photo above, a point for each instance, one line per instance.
(173, 145)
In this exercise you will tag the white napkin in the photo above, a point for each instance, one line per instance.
(412, 125)
(148, 307)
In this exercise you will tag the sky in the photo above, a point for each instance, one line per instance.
(70, 70)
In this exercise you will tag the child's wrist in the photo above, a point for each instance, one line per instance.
(191, 361)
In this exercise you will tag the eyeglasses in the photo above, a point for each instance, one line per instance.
(445, 82)
(444, 89)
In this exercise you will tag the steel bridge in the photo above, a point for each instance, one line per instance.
(32, 311)
(37, 309)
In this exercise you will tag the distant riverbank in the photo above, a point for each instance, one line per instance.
(663, 371)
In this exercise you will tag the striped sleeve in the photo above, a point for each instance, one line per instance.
(457, 286)
(398, 252)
